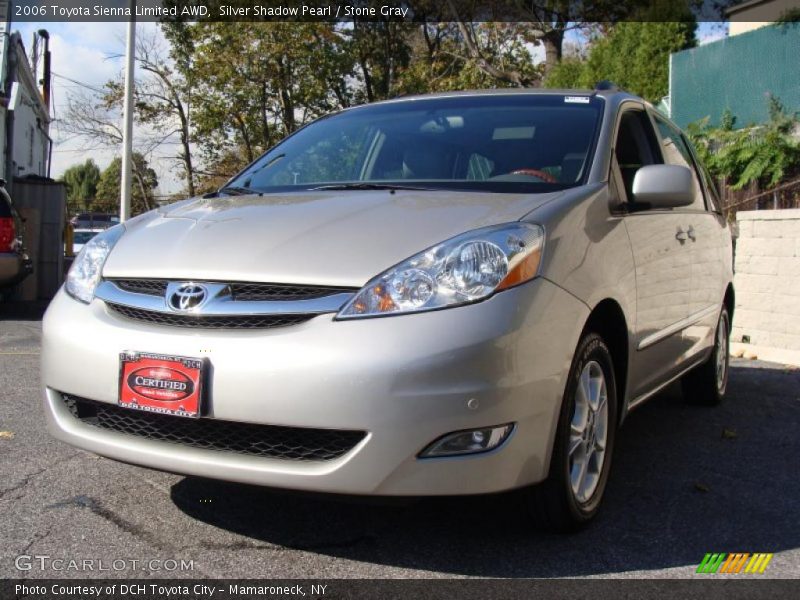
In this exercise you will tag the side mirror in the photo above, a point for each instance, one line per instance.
(663, 186)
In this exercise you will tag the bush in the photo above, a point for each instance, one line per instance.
(767, 154)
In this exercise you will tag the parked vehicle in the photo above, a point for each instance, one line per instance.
(81, 237)
(15, 264)
(439, 295)
(94, 220)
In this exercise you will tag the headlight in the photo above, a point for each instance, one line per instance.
(85, 272)
(464, 269)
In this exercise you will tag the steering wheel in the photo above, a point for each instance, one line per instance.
(543, 175)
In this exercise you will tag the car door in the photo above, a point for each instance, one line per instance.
(705, 227)
(662, 261)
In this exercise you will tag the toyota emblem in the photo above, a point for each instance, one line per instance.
(188, 296)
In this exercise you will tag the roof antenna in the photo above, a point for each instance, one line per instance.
(606, 85)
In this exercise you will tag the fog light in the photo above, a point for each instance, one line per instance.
(473, 441)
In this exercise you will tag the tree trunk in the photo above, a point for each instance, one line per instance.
(553, 42)
(367, 79)
(248, 146)
(142, 187)
(186, 154)
(265, 134)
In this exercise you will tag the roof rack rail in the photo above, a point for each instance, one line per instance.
(606, 85)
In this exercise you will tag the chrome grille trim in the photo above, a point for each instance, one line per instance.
(240, 290)
(221, 302)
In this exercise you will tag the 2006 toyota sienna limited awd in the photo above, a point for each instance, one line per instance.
(438, 295)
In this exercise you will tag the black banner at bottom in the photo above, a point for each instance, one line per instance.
(710, 588)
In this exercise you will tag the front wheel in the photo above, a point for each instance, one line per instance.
(706, 384)
(584, 442)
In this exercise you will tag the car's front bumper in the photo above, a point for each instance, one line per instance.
(406, 380)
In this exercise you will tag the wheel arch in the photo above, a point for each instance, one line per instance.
(730, 300)
(607, 320)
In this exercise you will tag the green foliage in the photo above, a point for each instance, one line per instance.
(767, 154)
(81, 181)
(635, 56)
(251, 84)
(254, 83)
(144, 182)
(568, 74)
(231, 90)
(438, 63)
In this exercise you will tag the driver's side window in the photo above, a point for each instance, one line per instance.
(636, 146)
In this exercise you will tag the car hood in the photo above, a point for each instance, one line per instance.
(341, 238)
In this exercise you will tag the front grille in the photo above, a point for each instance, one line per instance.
(152, 287)
(209, 322)
(274, 291)
(241, 291)
(268, 441)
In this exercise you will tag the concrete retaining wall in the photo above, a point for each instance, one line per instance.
(767, 281)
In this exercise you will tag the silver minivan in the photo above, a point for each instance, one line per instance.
(452, 294)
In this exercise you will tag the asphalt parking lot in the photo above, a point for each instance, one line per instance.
(686, 481)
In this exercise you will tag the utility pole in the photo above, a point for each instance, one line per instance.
(127, 118)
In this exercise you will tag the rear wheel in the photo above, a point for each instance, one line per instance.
(707, 383)
(584, 442)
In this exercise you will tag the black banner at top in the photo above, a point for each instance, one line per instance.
(533, 11)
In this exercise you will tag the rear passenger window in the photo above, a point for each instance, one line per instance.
(676, 152)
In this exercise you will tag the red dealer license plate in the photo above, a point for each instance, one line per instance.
(170, 385)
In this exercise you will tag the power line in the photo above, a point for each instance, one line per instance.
(80, 83)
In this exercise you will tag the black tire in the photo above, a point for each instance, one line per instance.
(701, 385)
(553, 505)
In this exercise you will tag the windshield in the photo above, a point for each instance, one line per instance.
(495, 143)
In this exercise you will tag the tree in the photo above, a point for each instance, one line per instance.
(255, 83)
(568, 74)
(379, 50)
(437, 60)
(162, 101)
(161, 105)
(94, 117)
(81, 181)
(541, 23)
(145, 182)
(634, 55)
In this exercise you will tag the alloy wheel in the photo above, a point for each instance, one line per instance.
(721, 358)
(588, 432)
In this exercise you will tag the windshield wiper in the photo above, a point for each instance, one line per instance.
(369, 186)
(237, 190)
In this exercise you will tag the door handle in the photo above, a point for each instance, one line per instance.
(680, 235)
(690, 233)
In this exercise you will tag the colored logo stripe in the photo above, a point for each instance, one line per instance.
(711, 563)
(758, 564)
(733, 563)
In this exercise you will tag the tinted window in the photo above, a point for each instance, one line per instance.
(676, 152)
(503, 143)
(635, 147)
(712, 196)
